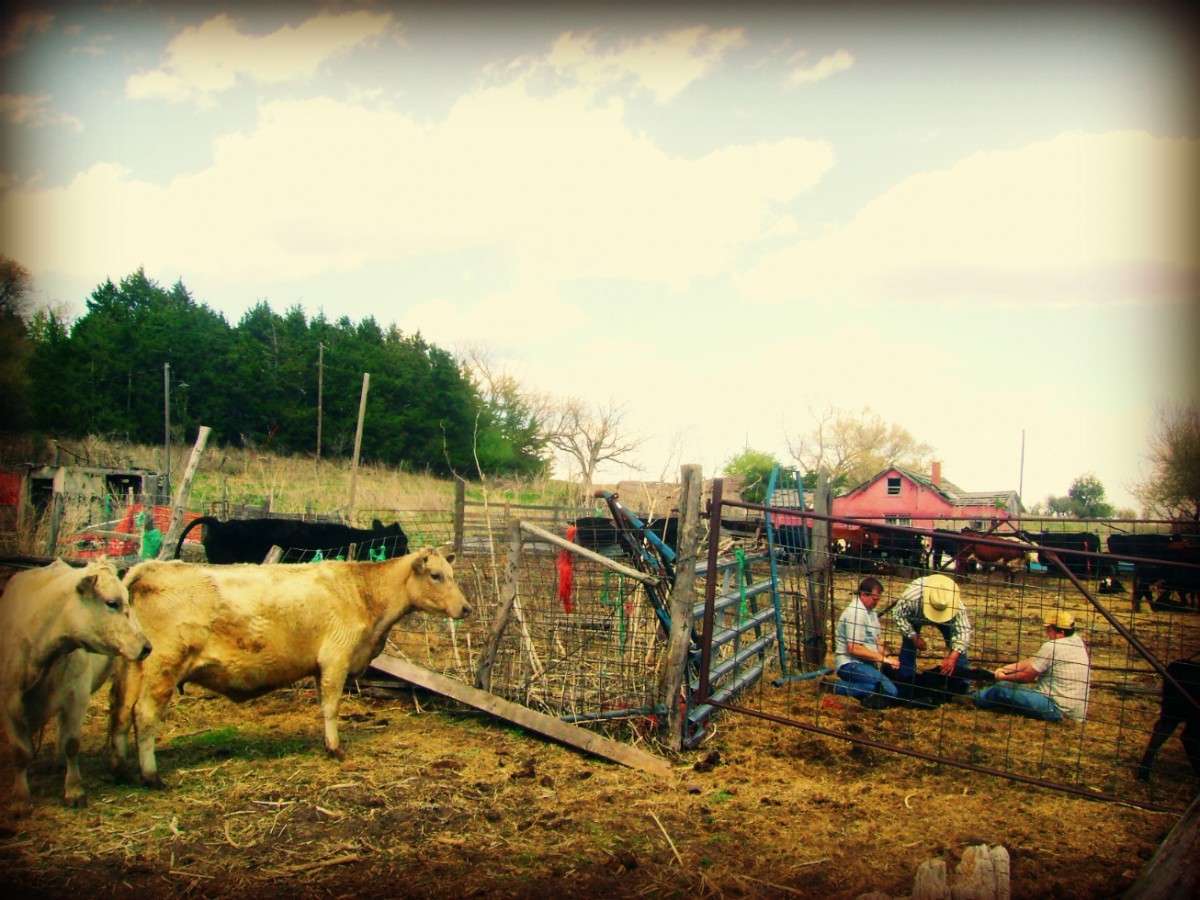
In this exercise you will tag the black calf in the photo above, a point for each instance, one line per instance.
(1177, 707)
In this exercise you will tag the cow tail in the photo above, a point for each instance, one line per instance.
(201, 520)
(566, 573)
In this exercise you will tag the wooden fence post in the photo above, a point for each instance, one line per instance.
(817, 611)
(683, 601)
(171, 538)
(460, 512)
(362, 412)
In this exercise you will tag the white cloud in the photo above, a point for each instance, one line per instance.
(561, 182)
(34, 111)
(825, 67)
(665, 65)
(524, 316)
(210, 58)
(1077, 219)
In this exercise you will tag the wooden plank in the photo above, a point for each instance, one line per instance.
(1172, 871)
(541, 723)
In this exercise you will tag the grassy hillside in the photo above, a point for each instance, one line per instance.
(284, 484)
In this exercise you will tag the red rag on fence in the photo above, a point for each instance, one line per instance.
(566, 573)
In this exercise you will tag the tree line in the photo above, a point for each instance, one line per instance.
(265, 381)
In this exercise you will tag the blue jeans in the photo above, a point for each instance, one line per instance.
(858, 679)
(908, 653)
(1022, 700)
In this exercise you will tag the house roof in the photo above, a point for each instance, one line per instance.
(952, 493)
(947, 489)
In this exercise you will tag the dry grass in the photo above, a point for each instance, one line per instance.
(434, 801)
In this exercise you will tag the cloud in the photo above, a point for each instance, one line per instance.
(210, 58)
(559, 180)
(26, 22)
(501, 319)
(826, 67)
(97, 44)
(664, 64)
(33, 111)
(1079, 219)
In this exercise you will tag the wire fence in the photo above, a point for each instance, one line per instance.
(584, 642)
(1008, 605)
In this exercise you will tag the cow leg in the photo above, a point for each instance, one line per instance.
(20, 743)
(152, 702)
(1191, 742)
(71, 714)
(126, 685)
(1162, 730)
(330, 685)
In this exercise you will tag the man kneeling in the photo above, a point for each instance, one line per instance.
(859, 651)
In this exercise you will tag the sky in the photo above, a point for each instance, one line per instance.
(724, 220)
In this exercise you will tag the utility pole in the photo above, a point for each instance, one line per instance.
(320, 393)
(167, 419)
(1021, 475)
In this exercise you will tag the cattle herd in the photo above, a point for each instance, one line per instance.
(238, 630)
(1164, 569)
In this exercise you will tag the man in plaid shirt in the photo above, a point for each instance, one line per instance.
(935, 600)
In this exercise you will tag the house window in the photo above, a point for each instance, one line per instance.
(894, 486)
(898, 520)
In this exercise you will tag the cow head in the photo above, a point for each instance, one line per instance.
(105, 622)
(432, 588)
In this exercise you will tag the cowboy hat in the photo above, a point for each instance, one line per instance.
(1062, 620)
(940, 599)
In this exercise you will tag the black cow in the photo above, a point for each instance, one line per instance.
(1175, 568)
(599, 533)
(944, 543)
(250, 540)
(1068, 540)
(1177, 707)
(929, 688)
(894, 549)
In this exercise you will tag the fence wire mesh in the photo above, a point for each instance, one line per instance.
(1008, 605)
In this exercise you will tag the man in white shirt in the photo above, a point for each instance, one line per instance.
(1049, 685)
(859, 650)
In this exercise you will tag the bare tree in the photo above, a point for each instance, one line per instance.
(1173, 489)
(855, 447)
(589, 436)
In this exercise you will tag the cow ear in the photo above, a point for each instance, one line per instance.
(87, 585)
(449, 556)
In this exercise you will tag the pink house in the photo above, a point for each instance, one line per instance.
(900, 496)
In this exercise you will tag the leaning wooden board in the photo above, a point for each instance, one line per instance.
(549, 726)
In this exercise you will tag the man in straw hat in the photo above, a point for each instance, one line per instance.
(935, 600)
(1049, 685)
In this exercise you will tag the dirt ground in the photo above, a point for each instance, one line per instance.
(434, 800)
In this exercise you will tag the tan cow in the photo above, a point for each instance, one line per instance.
(245, 630)
(60, 626)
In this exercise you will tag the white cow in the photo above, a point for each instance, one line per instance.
(60, 626)
(245, 630)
